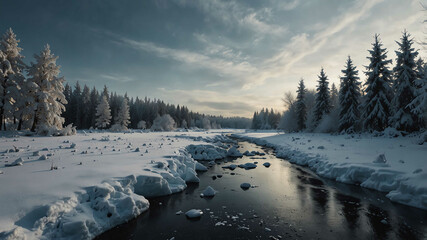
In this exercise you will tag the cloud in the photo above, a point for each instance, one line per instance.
(117, 78)
(235, 15)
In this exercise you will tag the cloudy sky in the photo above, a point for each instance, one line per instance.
(216, 57)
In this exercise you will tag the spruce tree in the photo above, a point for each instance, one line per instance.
(103, 113)
(334, 96)
(419, 105)
(323, 105)
(349, 97)
(376, 108)
(300, 107)
(50, 99)
(405, 74)
(122, 118)
(12, 78)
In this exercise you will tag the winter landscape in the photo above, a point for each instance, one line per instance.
(213, 120)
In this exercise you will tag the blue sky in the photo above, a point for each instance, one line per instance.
(216, 57)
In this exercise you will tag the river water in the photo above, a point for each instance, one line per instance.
(288, 202)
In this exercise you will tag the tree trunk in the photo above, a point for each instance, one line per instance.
(20, 124)
(33, 128)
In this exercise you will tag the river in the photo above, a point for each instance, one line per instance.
(288, 201)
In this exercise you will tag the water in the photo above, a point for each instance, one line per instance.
(288, 201)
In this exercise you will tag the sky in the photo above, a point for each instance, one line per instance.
(217, 57)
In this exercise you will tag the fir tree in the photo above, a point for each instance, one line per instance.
(405, 73)
(12, 77)
(376, 108)
(103, 113)
(300, 107)
(349, 96)
(323, 105)
(419, 105)
(50, 99)
(334, 96)
(122, 118)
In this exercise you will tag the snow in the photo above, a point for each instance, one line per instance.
(194, 213)
(206, 152)
(78, 196)
(394, 165)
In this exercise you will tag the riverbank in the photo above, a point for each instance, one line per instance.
(76, 187)
(394, 165)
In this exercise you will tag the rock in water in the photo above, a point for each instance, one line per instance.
(194, 213)
(245, 186)
(380, 159)
(266, 164)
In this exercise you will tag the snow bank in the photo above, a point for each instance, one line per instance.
(79, 196)
(206, 152)
(388, 163)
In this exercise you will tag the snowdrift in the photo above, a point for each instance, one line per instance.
(354, 160)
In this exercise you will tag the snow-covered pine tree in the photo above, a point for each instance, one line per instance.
(12, 77)
(376, 107)
(419, 105)
(405, 74)
(85, 107)
(122, 118)
(49, 96)
(300, 107)
(349, 97)
(323, 105)
(103, 113)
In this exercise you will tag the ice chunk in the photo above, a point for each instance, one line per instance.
(233, 152)
(200, 167)
(208, 192)
(194, 213)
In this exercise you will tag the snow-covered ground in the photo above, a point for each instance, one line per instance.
(76, 187)
(396, 166)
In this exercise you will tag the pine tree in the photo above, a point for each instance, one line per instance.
(376, 108)
(349, 96)
(122, 118)
(50, 99)
(323, 105)
(76, 106)
(85, 107)
(419, 105)
(94, 100)
(334, 96)
(405, 73)
(300, 107)
(103, 113)
(12, 77)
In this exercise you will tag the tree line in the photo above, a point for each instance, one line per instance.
(389, 98)
(34, 97)
(88, 108)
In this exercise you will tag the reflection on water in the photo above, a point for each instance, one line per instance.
(288, 201)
